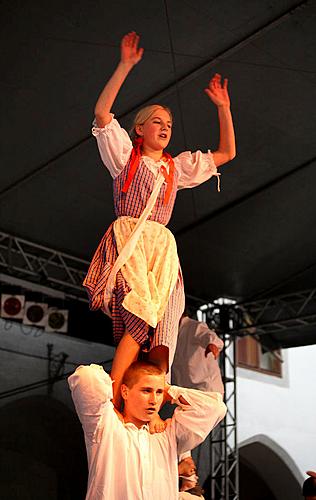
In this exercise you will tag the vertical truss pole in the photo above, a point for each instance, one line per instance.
(55, 366)
(224, 484)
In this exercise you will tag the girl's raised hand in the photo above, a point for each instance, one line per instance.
(217, 92)
(130, 53)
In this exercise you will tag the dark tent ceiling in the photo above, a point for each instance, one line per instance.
(254, 238)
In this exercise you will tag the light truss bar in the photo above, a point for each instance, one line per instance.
(278, 314)
(37, 264)
(271, 315)
(224, 463)
(42, 265)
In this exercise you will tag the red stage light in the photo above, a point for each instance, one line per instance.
(12, 306)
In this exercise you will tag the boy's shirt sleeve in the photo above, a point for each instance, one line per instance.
(91, 389)
(192, 422)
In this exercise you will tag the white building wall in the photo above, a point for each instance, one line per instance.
(283, 409)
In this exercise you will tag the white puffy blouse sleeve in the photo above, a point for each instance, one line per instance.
(192, 422)
(195, 168)
(115, 145)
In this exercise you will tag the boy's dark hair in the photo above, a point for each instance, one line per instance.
(190, 311)
(309, 487)
(138, 368)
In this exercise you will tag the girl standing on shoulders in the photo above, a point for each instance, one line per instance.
(135, 275)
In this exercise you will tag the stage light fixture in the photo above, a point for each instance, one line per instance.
(12, 306)
(35, 313)
(57, 320)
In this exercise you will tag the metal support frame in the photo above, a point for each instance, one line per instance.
(266, 316)
(42, 265)
(278, 314)
(56, 366)
(224, 473)
(37, 264)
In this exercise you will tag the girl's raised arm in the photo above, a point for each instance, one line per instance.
(130, 55)
(218, 93)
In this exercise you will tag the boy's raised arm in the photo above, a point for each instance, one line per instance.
(91, 388)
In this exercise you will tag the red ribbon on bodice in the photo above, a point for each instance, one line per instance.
(134, 164)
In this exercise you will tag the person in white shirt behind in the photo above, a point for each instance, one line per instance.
(126, 461)
(188, 480)
(195, 362)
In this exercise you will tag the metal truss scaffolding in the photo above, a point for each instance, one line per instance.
(273, 315)
(56, 270)
(42, 265)
(278, 314)
(223, 479)
(56, 366)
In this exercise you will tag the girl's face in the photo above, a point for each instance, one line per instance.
(156, 131)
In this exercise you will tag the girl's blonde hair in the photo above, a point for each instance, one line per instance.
(143, 115)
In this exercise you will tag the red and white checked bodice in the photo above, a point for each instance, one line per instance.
(133, 202)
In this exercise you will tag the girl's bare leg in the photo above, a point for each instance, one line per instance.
(160, 356)
(126, 353)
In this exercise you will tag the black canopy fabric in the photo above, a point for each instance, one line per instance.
(254, 238)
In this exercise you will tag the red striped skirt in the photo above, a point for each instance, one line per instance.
(166, 331)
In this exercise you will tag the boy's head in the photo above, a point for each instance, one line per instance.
(142, 390)
(139, 368)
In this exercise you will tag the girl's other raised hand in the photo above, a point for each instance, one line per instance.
(217, 91)
(130, 53)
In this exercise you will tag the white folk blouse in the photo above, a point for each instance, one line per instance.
(115, 147)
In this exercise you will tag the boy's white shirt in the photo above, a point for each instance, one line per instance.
(130, 463)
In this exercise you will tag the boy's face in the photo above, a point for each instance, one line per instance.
(142, 401)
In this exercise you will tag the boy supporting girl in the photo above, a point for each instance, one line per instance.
(135, 275)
